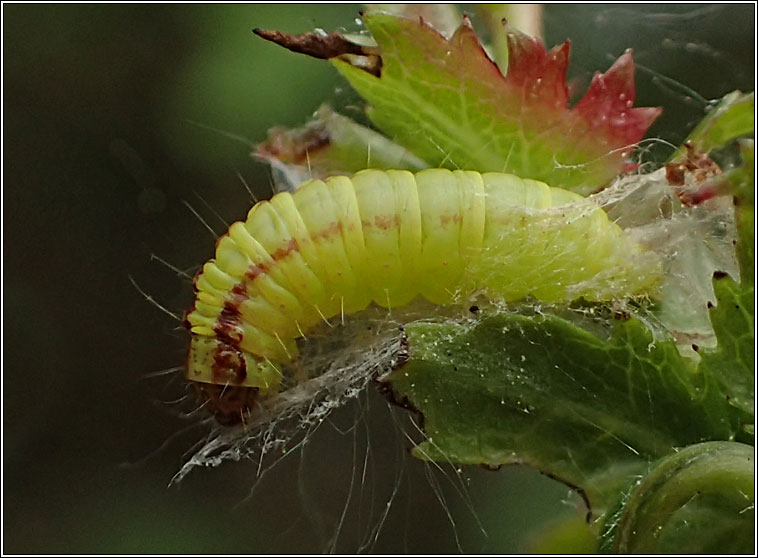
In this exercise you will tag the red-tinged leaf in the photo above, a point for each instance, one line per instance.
(447, 102)
(541, 75)
(608, 105)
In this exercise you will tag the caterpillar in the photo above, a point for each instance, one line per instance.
(334, 247)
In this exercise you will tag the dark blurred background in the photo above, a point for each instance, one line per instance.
(109, 119)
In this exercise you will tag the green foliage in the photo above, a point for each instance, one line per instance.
(732, 363)
(589, 409)
(730, 118)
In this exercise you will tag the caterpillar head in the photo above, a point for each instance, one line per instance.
(228, 379)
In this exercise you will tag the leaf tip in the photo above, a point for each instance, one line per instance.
(608, 105)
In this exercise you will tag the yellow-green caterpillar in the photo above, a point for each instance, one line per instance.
(333, 247)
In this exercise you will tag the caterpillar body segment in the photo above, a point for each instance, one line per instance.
(333, 247)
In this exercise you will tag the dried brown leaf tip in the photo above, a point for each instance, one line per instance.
(294, 146)
(326, 46)
(695, 178)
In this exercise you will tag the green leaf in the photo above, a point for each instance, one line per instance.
(448, 103)
(732, 363)
(700, 500)
(591, 409)
(740, 179)
(443, 17)
(732, 117)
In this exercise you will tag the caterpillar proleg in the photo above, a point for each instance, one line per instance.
(334, 247)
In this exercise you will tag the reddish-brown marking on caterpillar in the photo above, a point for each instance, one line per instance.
(332, 230)
(229, 365)
(255, 271)
(227, 324)
(228, 404)
(445, 219)
(384, 222)
(185, 317)
(282, 253)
